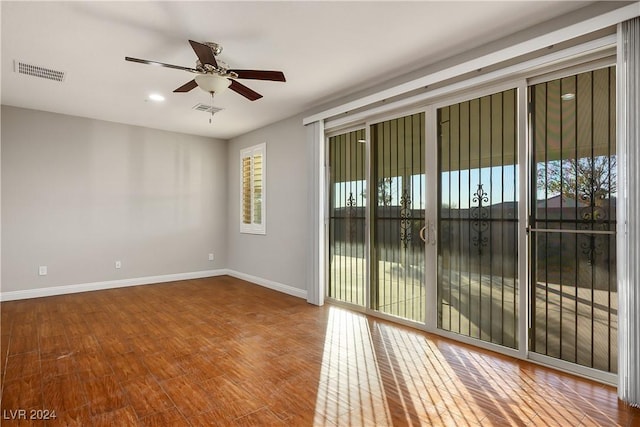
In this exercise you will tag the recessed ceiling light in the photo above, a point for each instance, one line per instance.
(156, 97)
(568, 96)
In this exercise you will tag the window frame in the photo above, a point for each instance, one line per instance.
(253, 227)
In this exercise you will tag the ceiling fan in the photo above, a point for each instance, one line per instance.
(213, 75)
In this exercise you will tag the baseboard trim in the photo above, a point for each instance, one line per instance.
(149, 280)
(109, 284)
(276, 286)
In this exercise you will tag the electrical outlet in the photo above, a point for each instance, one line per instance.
(210, 257)
(42, 270)
(118, 264)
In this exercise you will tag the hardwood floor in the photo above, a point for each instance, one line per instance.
(221, 351)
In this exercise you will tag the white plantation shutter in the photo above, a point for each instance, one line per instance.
(246, 190)
(257, 189)
(252, 182)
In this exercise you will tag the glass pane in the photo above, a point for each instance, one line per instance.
(478, 219)
(397, 259)
(347, 265)
(574, 295)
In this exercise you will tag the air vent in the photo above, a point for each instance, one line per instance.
(37, 71)
(206, 108)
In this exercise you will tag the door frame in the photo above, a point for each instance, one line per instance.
(576, 67)
(431, 214)
(327, 214)
(366, 125)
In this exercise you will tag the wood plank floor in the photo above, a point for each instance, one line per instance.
(221, 351)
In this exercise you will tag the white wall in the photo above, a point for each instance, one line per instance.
(280, 255)
(79, 194)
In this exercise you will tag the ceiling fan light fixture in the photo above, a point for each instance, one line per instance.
(212, 83)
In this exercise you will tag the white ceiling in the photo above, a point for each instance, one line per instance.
(325, 49)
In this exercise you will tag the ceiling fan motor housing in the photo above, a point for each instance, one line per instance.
(222, 69)
(215, 47)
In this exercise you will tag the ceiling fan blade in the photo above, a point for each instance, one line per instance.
(276, 76)
(145, 61)
(248, 93)
(187, 86)
(204, 53)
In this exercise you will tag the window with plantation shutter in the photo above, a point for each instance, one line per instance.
(252, 183)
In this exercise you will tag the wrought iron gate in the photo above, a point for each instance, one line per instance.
(397, 215)
(347, 204)
(478, 218)
(573, 219)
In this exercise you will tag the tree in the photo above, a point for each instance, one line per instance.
(385, 192)
(588, 179)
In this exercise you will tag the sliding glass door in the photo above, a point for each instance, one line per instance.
(397, 215)
(573, 219)
(536, 278)
(477, 279)
(347, 230)
(389, 214)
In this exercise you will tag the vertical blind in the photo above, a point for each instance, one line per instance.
(629, 241)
